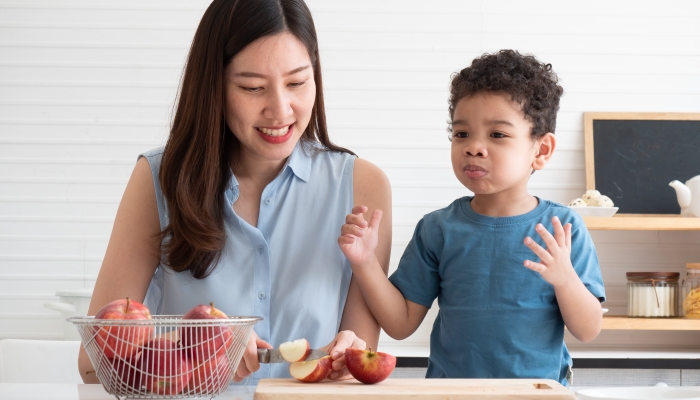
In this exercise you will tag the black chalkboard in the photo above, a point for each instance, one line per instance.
(634, 160)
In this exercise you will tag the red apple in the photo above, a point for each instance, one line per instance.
(165, 367)
(122, 341)
(313, 370)
(122, 373)
(369, 366)
(295, 351)
(210, 375)
(205, 342)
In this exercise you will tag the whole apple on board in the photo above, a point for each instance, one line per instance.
(369, 366)
(203, 343)
(122, 341)
(165, 368)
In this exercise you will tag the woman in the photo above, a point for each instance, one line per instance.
(243, 204)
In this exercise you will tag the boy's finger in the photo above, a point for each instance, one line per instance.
(351, 230)
(547, 237)
(567, 233)
(537, 267)
(359, 209)
(558, 232)
(537, 249)
(354, 219)
(376, 219)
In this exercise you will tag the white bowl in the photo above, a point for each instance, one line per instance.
(594, 211)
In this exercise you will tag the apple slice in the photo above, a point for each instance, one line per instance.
(295, 351)
(313, 370)
(369, 366)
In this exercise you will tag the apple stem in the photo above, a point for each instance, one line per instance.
(128, 301)
(370, 350)
(211, 310)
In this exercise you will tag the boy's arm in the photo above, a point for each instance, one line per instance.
(580, 309)
(397, 316)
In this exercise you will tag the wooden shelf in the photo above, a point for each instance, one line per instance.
(615, 322)
(643, 222)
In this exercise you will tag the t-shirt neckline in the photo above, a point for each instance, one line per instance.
(535, 214)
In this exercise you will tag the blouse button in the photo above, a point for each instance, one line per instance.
(260, 249)
(261, 295)
(268, 201)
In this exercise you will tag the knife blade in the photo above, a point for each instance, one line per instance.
(267, 356)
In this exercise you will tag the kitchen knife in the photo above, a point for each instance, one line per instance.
(267, 356)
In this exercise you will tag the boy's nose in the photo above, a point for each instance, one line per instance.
(475, 151)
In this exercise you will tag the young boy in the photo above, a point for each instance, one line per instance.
(506, 286)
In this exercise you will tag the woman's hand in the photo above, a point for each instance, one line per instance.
(249, 363)
(358, 239)
(336, 349)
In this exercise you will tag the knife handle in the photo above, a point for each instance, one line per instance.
(263, 356)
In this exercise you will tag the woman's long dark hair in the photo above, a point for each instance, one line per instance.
(196, 162)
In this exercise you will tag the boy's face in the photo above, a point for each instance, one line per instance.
(492, 148)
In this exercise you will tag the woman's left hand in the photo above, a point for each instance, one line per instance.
(336, 349)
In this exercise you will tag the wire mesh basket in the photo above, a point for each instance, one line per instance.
(166, 357)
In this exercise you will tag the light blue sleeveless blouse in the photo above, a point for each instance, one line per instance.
(289, 269)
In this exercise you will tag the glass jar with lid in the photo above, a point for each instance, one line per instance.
(652, 294)
(690, 292)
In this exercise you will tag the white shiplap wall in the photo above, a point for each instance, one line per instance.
(86, 85)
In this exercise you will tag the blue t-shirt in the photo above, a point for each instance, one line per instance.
(497, 318)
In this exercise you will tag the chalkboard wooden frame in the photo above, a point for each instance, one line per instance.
(588, 123)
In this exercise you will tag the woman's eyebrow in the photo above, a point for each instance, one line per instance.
(247, 74)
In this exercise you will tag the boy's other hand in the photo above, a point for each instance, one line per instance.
(358, 238)
(555, 262)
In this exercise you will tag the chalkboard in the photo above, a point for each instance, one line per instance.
(632, 157)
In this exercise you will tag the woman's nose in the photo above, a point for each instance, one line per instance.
(279, 106)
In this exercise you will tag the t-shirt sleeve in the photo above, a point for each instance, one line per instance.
(585, 259)
(417, 276)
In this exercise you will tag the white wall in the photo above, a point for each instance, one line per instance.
(86, 85)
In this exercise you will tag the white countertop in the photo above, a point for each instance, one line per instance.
(58, 391)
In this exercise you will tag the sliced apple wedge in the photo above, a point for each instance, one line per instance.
(313, 370)
(295, 351)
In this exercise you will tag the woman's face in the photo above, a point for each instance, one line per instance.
(270, 92)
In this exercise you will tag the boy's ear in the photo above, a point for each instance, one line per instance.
(544, 149)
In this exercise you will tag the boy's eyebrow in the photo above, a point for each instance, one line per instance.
(491, 122)
(247, 74)
(500, 122)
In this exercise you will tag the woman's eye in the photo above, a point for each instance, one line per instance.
(498, 135)
(460, 135)
(251, 89)
(297, 84)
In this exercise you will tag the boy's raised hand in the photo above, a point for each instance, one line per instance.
(358, 239)
(555, 262)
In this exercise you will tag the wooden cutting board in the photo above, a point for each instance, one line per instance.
(443, 389)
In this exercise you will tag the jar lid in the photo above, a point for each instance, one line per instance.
(692, 266)
(657, 275)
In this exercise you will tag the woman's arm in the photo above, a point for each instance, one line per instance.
(133, 252)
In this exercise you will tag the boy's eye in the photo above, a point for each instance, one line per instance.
(251, 89)
(498, 135)
(460, 135)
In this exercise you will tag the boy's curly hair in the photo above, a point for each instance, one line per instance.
(527, 81)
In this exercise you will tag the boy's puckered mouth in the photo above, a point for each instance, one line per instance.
(474, 171)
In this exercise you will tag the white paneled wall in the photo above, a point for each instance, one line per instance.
(86, 85)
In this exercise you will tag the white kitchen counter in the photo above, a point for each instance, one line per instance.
(55, 391)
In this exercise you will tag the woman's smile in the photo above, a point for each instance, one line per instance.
(276, 135)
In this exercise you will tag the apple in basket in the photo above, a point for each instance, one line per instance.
(210, 375)
(369, 366)
(122, 341)
(165, 368)
(313, 370)
(123, 372)
(205, 342)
